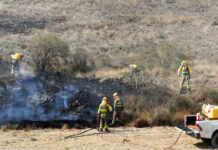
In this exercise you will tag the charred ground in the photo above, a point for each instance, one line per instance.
(50, 102)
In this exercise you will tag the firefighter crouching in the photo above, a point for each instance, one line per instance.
(103, 110)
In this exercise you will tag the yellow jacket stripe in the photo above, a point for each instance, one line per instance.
(102, 104)
(181, 68)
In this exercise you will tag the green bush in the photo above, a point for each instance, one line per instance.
(48, 52)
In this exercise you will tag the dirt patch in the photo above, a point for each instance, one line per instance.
(118, 138)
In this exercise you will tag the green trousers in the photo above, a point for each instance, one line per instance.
(103, 121)
(116, 116)
(185, 78)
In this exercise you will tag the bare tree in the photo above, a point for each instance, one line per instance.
(48, 51)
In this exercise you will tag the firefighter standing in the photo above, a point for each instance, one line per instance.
(118, 107)
(15, 63)
(186, 75)
(134, 74)
(103, 110)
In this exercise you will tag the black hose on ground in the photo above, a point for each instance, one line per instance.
(78, 134)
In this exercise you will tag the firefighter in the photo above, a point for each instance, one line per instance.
(15, 63)
(103, 110)
(118, 107)
(186, 75)
(134, 75)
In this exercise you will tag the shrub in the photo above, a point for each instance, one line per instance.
(212, 96)
(155, 105)
(182, 103)
(161, 116)
(127, 117)
(103, 60)
(48, 51)
(81, 60)
(141, 122)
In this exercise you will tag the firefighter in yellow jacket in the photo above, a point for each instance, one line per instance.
(134, 74)
(15, 63)
(186, 75)
(103, 110)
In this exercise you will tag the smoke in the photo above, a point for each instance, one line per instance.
(29, 99)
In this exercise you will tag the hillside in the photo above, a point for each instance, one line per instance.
(99, 39)
(118, 33)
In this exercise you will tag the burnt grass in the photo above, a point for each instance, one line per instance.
(17, 24)
(56, 124)
(84, 104)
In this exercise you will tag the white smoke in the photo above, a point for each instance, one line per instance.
(30, 101)
(29, 98)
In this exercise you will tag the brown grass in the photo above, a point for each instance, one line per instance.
(166, 20)
(170, 111)
(156, 107)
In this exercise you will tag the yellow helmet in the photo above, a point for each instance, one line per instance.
(184, 62)
(133, 66)
(17, 56)
(115, 94)
(104, 98)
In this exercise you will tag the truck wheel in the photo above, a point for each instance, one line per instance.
(214, 140)
(206, 140)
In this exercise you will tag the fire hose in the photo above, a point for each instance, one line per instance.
(142, 146)
(80, 134)
(125, 141)
(116, 141)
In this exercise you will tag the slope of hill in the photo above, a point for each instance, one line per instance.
(116, 33)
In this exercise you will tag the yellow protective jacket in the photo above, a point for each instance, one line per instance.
(104, 103)
(184, 70)
(16, 56)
